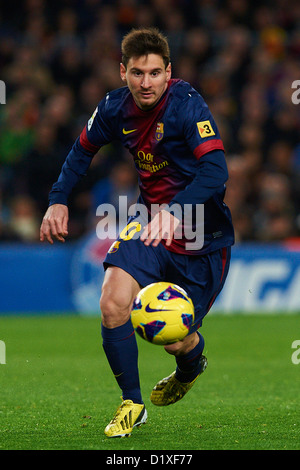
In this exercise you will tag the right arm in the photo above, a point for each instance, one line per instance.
(93, 136)
(56, 218)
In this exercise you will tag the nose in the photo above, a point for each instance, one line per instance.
(146, 82)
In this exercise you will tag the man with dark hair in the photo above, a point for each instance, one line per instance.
(179, 157)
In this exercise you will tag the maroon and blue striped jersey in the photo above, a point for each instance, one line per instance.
(177, 152)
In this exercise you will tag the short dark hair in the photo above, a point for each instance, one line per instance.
(144, 41)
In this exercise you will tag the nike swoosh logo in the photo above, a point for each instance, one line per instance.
(118, 375)
(149, 309)
(128, 132)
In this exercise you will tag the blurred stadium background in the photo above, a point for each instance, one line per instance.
(57, 60)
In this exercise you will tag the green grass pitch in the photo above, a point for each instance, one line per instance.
(57, 391)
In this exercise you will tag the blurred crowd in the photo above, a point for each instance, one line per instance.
(58, 58)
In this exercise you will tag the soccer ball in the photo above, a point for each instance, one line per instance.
(162, 313)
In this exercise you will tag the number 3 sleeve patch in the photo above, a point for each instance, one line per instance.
(199, 128)
(205, 129)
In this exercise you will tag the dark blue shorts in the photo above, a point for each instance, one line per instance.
(202, 276)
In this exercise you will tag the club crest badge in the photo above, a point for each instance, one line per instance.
(114, 247)
(159, 131)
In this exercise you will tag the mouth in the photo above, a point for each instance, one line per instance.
(146, 94)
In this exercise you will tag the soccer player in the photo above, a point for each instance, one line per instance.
(179, 157)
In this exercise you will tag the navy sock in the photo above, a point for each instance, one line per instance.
(121, 351)
(188, 365)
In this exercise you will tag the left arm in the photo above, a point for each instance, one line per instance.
(211, 174)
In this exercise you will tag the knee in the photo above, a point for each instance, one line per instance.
(107, 309)
(114, 310)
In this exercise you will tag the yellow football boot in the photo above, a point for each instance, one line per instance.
(127, 416)
(169, 390)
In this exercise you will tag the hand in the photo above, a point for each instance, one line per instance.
(162, 226)
(55, 223)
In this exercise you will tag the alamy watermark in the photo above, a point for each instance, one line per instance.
(2, 353)
(296, 94)
(296, 353)
(112, 219)
(2, 92)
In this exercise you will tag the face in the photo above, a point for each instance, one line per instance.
(147, 79)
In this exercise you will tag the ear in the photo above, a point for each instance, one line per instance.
(169, 71)
(123, 72)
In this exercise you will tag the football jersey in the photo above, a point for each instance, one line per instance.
(177, 152)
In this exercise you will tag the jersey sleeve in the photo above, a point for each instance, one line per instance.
(95, 134)
(98, 130)
(210, 177)
(203, 138)
(200, 129)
